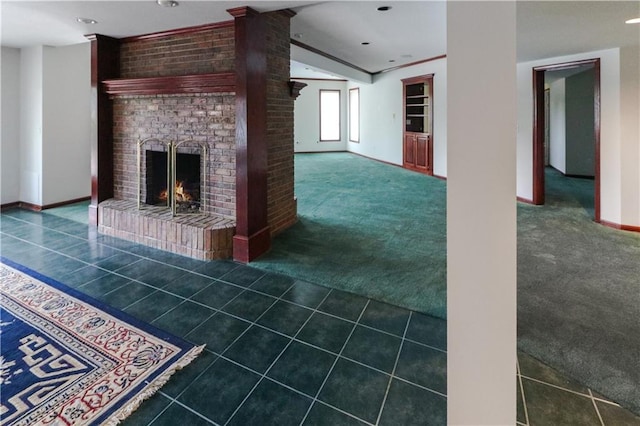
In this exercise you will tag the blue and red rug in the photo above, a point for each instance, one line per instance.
(66, 359)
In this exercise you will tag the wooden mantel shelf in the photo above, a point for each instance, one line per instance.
(195, 83)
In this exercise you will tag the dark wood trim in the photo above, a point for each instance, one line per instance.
(538, 128)
(318, 79)
(621, 227)
(422, 61)
(245, 249)
(295, 87)
(252, 236)
(324, 151)
(538, 137)
(30, 206)
(37, 208)
(105, 65)
(596, 135)
(339, 115)
(9, 206)
(242, 12)
(580, 176)
(197, 83)
(66, 203)
(368, 158)
(328, 56)
(524, 200)
(566, 65)
(178, 31)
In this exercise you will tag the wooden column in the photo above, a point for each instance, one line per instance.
(252, 230)
(105, 53)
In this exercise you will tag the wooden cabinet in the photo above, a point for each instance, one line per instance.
(417, 97)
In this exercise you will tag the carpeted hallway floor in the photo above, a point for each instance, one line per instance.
(579, 291)
(378, 230)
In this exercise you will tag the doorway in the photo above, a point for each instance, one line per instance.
(541, 122)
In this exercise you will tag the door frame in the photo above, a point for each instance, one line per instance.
(539, 124)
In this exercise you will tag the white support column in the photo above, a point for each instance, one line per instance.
(481, 212)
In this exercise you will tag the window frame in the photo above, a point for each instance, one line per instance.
(355, 90)
(321, 91)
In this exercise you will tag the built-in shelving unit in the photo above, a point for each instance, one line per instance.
(417, 96)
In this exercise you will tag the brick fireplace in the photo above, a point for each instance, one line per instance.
(198, 85)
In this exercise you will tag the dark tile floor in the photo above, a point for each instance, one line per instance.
(278, 350)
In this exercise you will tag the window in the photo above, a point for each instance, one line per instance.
(329, 115)
(354, 115)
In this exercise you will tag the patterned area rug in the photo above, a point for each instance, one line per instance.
(66, 359)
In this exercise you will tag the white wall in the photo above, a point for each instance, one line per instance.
(306, 129)
(557, 130)
(611, 148)
(31, 71)
(10, 125)
(381, 115)
(66, 121)
(54, 117)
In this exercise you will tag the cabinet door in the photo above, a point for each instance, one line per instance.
(409, 150)
(422, 152)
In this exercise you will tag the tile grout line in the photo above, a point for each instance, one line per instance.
(524, 400)
(219, 310)
(221, 355)
(393, 372)
(186, 407)
(595, 406)
(567, 390)
(218, 279)
(344, 345)
(291, 340)
(115, 272)
(271, 379)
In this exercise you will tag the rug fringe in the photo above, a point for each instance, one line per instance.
(152, 388)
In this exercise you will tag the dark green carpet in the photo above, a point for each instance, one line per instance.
(579, 291)
(368, 228)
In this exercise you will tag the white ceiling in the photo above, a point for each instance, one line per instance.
(409, 32)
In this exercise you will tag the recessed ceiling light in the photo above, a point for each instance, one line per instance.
(87, 21)
(633, 21)
(392, 60)
(365, 43)
(384, 8)
(168, 3)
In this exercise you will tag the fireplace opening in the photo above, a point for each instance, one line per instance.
(187, 187)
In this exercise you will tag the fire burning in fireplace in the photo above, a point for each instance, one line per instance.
(181, 193)
(186, 192)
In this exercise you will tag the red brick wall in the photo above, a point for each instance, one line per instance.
(206, 118)
(203, 52)
(282, 210)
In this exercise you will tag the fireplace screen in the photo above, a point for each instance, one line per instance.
(173, 178)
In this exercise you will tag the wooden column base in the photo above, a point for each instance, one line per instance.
(246, 249)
